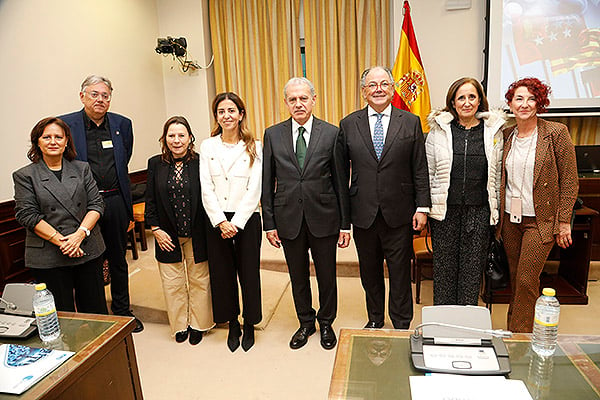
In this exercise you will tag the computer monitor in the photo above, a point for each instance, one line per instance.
(588, 159)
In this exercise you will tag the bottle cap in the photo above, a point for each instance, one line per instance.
(549, 292)
(40, 286)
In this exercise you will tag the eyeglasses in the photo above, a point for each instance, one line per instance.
(373, 86)
(94, 95)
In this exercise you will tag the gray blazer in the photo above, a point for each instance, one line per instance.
(290, 193)
(63, 204)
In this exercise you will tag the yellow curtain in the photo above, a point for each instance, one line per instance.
(256, 44)
(584, 130)
(342, 39)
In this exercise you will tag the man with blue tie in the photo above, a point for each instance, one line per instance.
(389, 194)
(302, 206)
(105, 140)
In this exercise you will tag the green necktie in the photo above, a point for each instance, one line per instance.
(301, 147)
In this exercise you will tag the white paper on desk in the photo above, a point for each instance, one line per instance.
(22, 366)
(462, 387)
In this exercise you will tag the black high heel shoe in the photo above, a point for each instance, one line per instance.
(248, 338)
(233, 338)
(181, 336)
(195, 336)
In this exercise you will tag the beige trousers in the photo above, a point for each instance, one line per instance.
(186, 286)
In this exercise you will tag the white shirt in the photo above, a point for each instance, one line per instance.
(385, 119)
(307, 129)
(520, 162)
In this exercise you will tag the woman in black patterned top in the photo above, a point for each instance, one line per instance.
(177, 218)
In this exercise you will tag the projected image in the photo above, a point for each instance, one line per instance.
(555, 40)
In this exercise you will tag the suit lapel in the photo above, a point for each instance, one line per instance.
(287, 140)
(541, 149)
(162, 175)
(362, 125)
(392, 132)
(313, 143)
(61, 191)
(79, 138)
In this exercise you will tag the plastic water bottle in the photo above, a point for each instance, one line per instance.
(45, 313)
(545, 324)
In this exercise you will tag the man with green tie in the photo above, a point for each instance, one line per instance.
(302, 207)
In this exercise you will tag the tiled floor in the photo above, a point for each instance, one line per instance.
(270, 370)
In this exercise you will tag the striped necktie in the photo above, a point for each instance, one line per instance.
(378, 136)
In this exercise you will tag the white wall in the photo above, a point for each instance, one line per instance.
(188, 94)
(49, 47)
(451, 43)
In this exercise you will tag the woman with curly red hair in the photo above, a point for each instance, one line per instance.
(539, 187)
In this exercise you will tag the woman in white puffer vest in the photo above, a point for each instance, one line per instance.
(464, 156)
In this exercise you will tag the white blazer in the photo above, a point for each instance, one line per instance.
(228, 182)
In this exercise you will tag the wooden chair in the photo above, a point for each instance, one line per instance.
(422, 258)
(138, 232)
(139, 226)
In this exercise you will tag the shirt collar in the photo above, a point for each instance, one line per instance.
(89, 124)
(307, 126)
(387, 112)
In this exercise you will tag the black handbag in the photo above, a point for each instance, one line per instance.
(496, 270)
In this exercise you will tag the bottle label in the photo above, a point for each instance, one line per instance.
(43, 311)
(547, 320)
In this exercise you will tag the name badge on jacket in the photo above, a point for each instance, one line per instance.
(107, 144)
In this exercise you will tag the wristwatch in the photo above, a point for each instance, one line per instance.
(86, 230)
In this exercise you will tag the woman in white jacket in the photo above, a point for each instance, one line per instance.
(464, 156)
(230, 176)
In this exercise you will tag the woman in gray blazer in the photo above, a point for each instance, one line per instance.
(57, 201)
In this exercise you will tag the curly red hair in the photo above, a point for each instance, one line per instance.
(539, 89)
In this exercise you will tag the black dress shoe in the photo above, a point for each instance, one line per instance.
(248, 338)
(328, 339)
(233, 338)
(138, 326)
(181, 336)
(300, 338)
(195, 336)
(374, 325)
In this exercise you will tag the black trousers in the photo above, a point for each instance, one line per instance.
(460, 246)
(323, 251)
(233, 259)
(113, 225)
(85, 279)
(373, 245)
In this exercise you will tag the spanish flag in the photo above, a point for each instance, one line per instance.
(412, 91)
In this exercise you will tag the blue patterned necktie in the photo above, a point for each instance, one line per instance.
(378, 136)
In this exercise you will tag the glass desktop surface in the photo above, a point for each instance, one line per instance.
(378, 367)
(76, 334)
(80, 333)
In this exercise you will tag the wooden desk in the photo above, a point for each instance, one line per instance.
(103, 367)
(375, 364)
(571, 279)
(589, 192)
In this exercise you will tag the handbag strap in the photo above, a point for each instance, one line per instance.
(426, 238)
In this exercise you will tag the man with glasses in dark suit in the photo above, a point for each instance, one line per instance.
(105, 141)
(389, 194)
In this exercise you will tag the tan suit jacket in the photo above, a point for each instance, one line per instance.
(555, 181)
